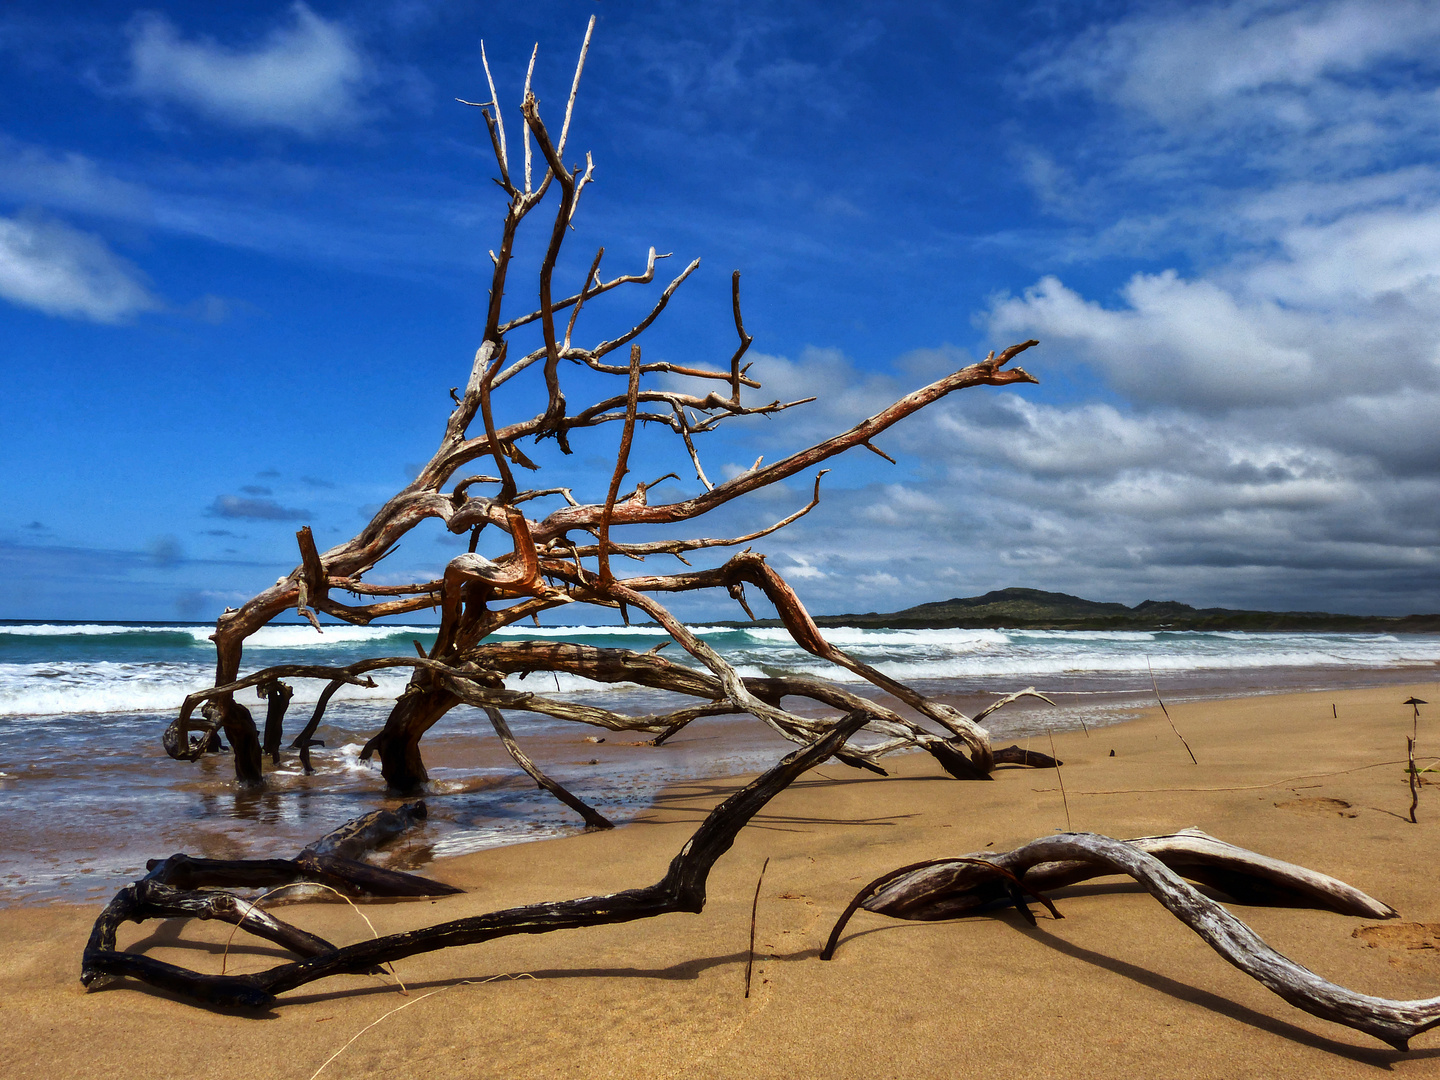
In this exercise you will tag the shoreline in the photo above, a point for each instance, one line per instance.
(1118, 988)
(480, 799)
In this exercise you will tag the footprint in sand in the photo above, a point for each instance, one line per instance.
(1319, 805)
(1405, 935)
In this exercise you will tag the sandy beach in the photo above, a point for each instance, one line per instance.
(1116, 988)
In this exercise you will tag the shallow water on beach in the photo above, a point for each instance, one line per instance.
(87, 794)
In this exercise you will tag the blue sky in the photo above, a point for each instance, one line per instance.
(243, 258)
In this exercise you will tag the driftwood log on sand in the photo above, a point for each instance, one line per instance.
(934, 890)
(945, 888)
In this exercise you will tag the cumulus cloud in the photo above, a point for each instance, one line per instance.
(1241, 500)
(52, 267)
(305, 76)
(1258, 428)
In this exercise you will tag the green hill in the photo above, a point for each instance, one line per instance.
(1037, 610)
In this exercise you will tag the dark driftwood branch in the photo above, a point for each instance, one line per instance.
(173, 889)
(277, 695)
(681, 889)
(991, 870)
(941, 890)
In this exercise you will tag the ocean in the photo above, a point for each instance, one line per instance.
(87, 793)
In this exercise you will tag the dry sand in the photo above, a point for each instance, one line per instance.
(1117, 989)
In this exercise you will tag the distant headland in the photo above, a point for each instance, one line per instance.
(1032, 609)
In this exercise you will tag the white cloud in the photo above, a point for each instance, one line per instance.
(1180, 61)
(304, 77)
(1175, 340)
(1343, 301)
(1188, 94)
(1332, 504)
(48, 265)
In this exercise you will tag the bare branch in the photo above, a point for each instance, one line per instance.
(602, 287)
(675, 547)
(583, 295)
(501, 153)
(525, 96)
(621, 465)
(736, 375)
(574, 88)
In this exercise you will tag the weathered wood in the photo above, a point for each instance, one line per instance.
(946, 890)
(1033, 759)
(349, 876)
(419, 709)
(306, 739)
(477, 681)
(1004, 878)
(186, 887)
(239, 728)
(277, 695)
(1088, 854)
(151, 898)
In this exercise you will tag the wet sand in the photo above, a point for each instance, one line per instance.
(1116, 988)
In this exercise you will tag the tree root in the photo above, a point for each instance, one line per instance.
(945, 888)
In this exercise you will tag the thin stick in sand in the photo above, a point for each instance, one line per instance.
(754, 908)
(1410, 771)
(1167, 712)
(1060, 776)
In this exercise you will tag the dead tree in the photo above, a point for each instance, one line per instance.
(554, 550)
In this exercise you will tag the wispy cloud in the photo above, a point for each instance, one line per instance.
(305, 77)
(52, 267)
(260, 509)
(65, 180)
(1267, 60)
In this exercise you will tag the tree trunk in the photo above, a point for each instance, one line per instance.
(278, 695)
(398, 743)
(244, 739)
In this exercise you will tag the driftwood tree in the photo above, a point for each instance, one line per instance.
(566, 554)
(565, 557)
